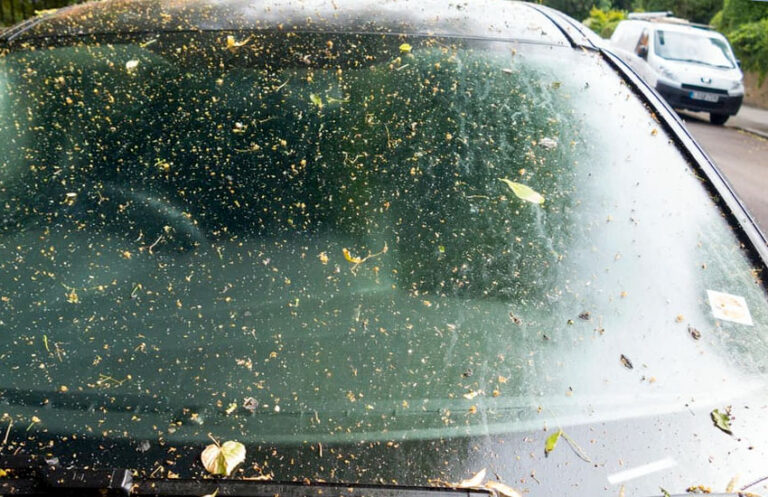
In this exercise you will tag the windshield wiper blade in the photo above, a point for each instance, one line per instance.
(29, 475)
(32, 476)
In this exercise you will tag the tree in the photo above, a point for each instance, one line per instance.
(738, 12)
(578, 9)
(700, 11)
(604, 22)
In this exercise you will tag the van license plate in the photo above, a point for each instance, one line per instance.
(707, 97)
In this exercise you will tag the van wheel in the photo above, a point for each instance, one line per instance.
(718, 118)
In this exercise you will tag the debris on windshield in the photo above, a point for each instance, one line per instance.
(222, 459)
(584, 315)
(664, 492)
(215, 492)
(551, 442)
(232, 44)
(524, 192)
(679, 318)
(698, 489)
(359, 260)
(34, 420)
(250, 404)
(471, 394)
(131, 65)
(722, 419)
(316, 100)
(515, 319)
(695, 334)
(502, 489)
(474, 481)
(626, 362)
(405, 48)
(548, 143)
(731, 487)
(72, 297)
(575, 447)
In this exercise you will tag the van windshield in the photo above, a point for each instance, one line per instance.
(689, 47)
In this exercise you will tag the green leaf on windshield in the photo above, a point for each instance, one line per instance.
(222, 459)
(551, 443)
(316, 100)
(524, 192)
(722, 420)
(405, 48)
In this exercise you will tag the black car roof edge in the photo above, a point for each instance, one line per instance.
(748, 230)
(550, 17)
(558, 19)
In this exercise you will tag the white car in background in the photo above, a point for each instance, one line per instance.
(690, 65)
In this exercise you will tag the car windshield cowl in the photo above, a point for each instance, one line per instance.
(28, 475)
(31, 475)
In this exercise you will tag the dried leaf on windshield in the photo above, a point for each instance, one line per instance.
(222, 459)
(359, 260)
(475, 481)
(524, 192)
(233, 44)
(350, 258)
(626, 362)
(695, 334)
(502, 489)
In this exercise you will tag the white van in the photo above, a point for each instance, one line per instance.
(690, 65)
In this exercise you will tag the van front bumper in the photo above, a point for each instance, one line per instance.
(682, 98)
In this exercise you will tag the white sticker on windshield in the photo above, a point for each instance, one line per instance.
(729, 307)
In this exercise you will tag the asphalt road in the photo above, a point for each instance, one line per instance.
(743, 158)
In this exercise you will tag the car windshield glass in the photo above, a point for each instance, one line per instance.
(690, 47)
(289, 238)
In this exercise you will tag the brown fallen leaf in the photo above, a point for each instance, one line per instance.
(626, 362)
(502, 489)
(475, 481)
(695, 334)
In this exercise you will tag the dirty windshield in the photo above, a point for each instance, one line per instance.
(310, 238)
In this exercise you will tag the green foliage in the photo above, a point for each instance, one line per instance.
(750, 42)
(745, 23)
(694, 10)
(578, 9)
(738, 12)
(13, 11)
(604, 22)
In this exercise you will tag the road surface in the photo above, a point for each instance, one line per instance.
(743, 158)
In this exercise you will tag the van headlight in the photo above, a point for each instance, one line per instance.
(667, 73)
(737, 85)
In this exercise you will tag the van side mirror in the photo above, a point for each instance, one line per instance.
(642, 52)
